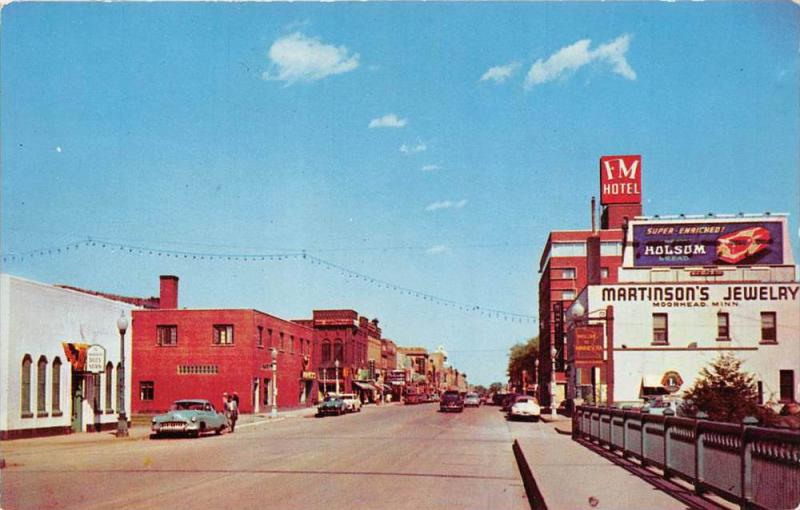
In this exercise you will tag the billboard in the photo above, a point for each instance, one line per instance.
(621, 179)
(746, 243)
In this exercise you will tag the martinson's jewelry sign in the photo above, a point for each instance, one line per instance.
(678, 296)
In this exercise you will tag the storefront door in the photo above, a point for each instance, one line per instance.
(77, 401)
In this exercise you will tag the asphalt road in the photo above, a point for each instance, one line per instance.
(392, 457)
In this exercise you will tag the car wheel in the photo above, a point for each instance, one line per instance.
(535, 419)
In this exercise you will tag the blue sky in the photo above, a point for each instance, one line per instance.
(429, 145)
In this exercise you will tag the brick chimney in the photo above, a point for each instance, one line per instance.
(169, 292)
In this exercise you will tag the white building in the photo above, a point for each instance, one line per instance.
(689, 289)
(44, 386)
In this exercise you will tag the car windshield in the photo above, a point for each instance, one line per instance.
(472, 395)
(187, 406)
(331, 399)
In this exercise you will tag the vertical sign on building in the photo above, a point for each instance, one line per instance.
(558, 334)
(621, 179)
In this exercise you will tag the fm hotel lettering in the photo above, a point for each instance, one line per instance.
(702, 293)
(620, 179)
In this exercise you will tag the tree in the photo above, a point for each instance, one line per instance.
(522, 356)
(723, 391)
(495, 387)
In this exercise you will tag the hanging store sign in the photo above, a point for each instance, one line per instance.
(621, 179)
(587, 343)
(708, 244)
(95, 358)
(308, 375)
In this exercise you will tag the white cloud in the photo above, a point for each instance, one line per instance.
(436, 250)
(431, 168)
(58, 149)
(446, 204)
(499, 74)
(413, 149)
(389, 120)
(300, 58)
(571, 58)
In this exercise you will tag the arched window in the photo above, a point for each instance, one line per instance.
(41, 386)
(25, 387)
(338, 351)
(55, 398)
(326, 351)
(109, 380)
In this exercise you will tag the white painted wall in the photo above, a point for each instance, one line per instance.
(633, 328)
(34, 319)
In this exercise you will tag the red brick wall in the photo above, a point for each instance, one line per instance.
(237, 365)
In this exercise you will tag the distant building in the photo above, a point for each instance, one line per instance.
(202, 353)
(46, 387)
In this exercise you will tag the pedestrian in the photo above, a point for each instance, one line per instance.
(224, 408)
(233, 412)
(236, 399)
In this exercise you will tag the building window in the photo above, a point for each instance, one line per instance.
(326, 351)
(568, 250)
(610, 248)
(338, 351)
(25, 388)
(787, 385)
(568, 273)
(41, 386)
(109, 385)
(55, 400)
(567, 295)
(281, 341)
(603, 272)
(260, 337)
(96, 394)
(660, 328)
(291, 344)
(223, 334)
(167, 335)
(768, 333)
(147, 390)
(723, 326)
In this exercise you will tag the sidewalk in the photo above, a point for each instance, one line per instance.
(561, 473)
(138, 430)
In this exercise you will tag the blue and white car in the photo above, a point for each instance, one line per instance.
(189, 417)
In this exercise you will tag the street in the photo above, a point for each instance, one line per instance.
(391, 457)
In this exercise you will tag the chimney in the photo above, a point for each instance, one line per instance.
(169, 292)
(594, 225)
(593, 259)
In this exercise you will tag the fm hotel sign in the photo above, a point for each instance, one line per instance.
(686, 296)
(621, 179)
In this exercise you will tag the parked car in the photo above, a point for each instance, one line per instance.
(451, 401)
(498, 398)
(509, 400)
(525, 408)
(190, 417)
(413, 398)
(352, 403)
(472, 400)
(333, 404)
(657, 405)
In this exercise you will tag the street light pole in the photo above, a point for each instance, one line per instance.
(122, 421)
(336, 374)
(274, 411)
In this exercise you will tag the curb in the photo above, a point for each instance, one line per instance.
(535, 498)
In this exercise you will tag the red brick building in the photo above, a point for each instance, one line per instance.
(566, 269)
(179, 353)
(341, 335)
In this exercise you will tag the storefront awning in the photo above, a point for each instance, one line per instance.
(651, 386)
(364, 386)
